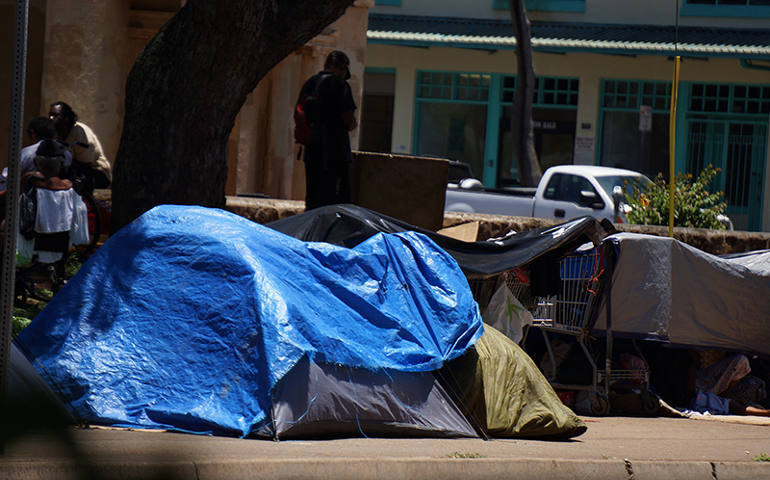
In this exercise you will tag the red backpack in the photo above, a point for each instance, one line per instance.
(302, 128)
(306, 111)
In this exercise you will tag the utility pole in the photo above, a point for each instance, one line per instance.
(8, 261)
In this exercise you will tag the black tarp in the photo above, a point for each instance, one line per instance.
(348, 225)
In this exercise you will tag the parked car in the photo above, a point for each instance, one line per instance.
(564, 192)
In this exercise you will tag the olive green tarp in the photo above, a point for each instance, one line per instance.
(504, 394)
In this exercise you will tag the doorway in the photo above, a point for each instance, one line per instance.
(738, 148)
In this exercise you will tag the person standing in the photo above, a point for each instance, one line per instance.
(87, 154)
(328, 155)
(58, 207)
(39, 129)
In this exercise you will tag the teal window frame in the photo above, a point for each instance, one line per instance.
(691, 9)
(446, 87)
(549, 92)
(396, 3)
(627, 95)
(700, 98)
(457, 87)
(729, 99)
(545, 5)
(693, 106)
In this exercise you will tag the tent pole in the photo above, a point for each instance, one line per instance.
(608, 353)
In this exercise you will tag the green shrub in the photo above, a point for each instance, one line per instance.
(24, 313)
(18, 325)
(694, 205)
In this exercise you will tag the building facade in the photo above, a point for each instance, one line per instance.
(440, 78)
(437, 77)
(81, 52)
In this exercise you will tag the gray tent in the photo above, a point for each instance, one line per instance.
(329, 400)
(666, 290)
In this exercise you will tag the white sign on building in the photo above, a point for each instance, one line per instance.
(645, 118)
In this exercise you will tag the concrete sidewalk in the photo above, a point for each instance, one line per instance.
(613, 448)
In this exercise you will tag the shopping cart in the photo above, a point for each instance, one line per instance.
(572, 311)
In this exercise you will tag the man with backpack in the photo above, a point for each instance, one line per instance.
(324, 114)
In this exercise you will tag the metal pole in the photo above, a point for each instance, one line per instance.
(608, 353)
(672, 125)
(8, 263)
(672, 146)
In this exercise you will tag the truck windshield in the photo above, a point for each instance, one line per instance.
(628, 183)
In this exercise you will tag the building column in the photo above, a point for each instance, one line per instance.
(403, 111)
(587, 131)
(84, 64)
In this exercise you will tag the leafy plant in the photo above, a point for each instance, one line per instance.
(762, 457)
(18, 325)
(24, 313)
(694, 205)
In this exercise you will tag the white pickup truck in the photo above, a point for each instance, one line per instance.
(564, 192)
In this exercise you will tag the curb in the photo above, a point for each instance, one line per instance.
(371, 469)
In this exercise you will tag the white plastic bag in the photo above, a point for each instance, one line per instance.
(507, 314)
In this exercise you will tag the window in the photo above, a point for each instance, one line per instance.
(549, 91)
(453, 130)
(728, 8)
(453, 86)
(631, 94)
(452, 113)
(567, 188)
(623, 144)
(629, 184)
(545, 5)
(724, 98)
(554, 116)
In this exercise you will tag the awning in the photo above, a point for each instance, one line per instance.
(618, 39)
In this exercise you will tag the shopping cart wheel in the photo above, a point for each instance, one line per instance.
(600, 404)
(650, 402)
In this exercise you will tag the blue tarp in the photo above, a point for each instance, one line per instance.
(188, 316)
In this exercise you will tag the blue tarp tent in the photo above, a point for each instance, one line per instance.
(189, 317)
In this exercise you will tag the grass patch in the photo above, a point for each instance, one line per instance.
(466, 455)
(762, 457)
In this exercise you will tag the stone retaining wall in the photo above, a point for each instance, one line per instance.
(713, 241)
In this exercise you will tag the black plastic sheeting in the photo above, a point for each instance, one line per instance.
(348, 225)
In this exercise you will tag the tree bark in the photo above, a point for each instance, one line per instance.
(521, 118)
(186, 89)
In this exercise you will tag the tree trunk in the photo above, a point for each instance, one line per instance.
(187, 87)
(521, 118)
